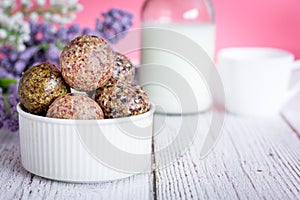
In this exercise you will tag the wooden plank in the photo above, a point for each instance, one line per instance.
(16, 183)
(254, 159)
(291, 113)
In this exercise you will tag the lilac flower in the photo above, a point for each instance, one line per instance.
(6, 63)
(87, 31)
(74, 29)
(99, 25)
(8, 114)
(5, 74)
(116, 24)
(15, 28)
(53, 54)
(28, 53)
(45, 44)
(33, 29)
(13, 56)
(4, 49)
(12, 99)
(11, 124)
(2, 109)
(20, 66)
(62, 33)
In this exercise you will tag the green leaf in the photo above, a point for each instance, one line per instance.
(4, 82)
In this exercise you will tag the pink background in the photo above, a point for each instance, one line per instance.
(273, 23)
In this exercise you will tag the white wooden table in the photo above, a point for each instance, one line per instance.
(253, 159)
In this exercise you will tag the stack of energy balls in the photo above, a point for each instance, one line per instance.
(88, 64)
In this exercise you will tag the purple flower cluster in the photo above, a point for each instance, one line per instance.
(115, 26)
(45, 44)
(8, 112)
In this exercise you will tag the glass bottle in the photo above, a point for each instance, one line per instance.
(194, 20)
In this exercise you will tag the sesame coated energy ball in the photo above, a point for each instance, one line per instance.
(39, 86)
(124, 70)
(87, 62)
(120, 99)
(75, 106)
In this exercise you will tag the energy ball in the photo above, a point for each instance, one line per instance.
(87, 62)
(120, 99)
(124, 70)
(75, 106)
(39, 86)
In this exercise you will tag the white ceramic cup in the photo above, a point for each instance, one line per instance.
(256, 79)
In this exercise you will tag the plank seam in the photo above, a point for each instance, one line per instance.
(154, 174)
(294, 130)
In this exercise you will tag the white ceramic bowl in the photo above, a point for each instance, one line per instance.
(85, 150)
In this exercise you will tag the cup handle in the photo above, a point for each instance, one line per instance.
(293, 90)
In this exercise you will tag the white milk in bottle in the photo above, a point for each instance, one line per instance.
(160, 41)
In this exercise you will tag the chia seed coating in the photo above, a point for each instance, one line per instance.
(87, 62)
(75, 106)
(39, 86)
(120, 99)
(124, 70)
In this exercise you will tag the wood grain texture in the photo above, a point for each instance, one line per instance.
(291, 113)
(254, 159)
(16, 183)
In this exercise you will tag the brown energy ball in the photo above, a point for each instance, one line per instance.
(39, 86)
(124, 70)
(121, 99)
(87, 62)
(75, 106)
